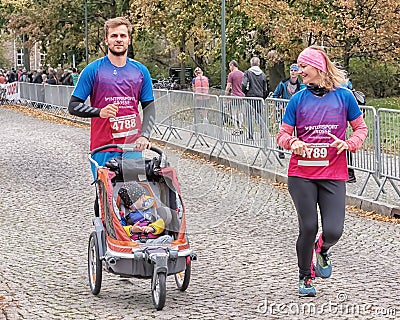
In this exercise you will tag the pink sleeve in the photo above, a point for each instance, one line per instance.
(360, 132)
(285, 137)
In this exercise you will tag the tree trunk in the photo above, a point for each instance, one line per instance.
(276, 74)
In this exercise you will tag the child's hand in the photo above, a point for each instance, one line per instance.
(148, 229)
(136, 228)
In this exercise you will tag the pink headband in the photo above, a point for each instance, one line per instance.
(314, 58)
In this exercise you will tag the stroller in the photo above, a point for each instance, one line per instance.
(112, 250)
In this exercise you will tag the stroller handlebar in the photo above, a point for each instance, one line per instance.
(161, 161)
(123, 147)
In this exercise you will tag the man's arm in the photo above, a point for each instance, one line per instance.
(149, 118)
(245, 83)
(228, 88)
(278, 91)
(77, 107)
(265, 88)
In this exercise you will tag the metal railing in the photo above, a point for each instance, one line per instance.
(221, 122)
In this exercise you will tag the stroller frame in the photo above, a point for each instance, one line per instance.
(110, 249)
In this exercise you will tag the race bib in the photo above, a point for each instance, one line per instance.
(319, 156)
(124, 126)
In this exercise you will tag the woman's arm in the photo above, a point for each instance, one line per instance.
(285, 136)
(360, 131)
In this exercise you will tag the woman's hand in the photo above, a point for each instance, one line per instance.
(301, 148)
(340, 145)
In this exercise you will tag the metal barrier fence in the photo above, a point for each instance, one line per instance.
(388, 152)
(250, 122)
(366, 157)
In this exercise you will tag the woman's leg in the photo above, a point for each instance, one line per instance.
(304, 193)
(331, 201)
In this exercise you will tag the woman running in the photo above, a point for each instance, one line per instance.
(317, 170)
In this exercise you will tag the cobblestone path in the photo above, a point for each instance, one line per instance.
(243, 230)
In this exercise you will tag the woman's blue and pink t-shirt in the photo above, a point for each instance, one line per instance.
(313, 118)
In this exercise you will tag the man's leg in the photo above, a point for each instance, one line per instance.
(259, 119)
(250, 119)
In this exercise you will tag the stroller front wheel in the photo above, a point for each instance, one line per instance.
(182, 279)
(159, 290)
(95, 271)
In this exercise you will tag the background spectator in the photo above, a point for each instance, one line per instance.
(255, 84)
(75, 76)
(38, 77)
(234, 87)
(66, 78)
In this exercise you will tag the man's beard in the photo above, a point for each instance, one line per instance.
(117, 53)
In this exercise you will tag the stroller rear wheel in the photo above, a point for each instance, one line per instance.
(159, 290)
(182, 279)
(95, 271)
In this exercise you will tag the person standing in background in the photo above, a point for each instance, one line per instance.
(3, 79)
(200, 85)
(234, 87)
(75, 76)
(285, 90)
(288, 87)
(38, 77)
(255, 84)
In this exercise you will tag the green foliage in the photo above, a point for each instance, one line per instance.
(375, 78)
(388, 103)
(188, 33)
(4, 63)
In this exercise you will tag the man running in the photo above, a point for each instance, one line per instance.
(116, 85)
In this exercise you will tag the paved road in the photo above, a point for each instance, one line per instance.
(243, 230)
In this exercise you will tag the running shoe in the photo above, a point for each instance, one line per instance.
(306, 288)
(323, 265)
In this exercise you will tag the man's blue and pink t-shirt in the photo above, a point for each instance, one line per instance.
(124, 86)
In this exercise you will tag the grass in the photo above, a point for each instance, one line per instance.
(389, 103)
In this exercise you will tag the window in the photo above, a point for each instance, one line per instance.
(42, 59)
(20, 57)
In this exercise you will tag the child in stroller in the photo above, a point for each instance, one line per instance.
(139, 218)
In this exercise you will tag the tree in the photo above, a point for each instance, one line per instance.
(358, 28)
(62, 33)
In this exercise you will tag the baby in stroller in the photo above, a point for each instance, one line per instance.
(139, 218)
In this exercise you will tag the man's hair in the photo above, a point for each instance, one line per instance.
(255, 61)
(234, 63)
(116, 22)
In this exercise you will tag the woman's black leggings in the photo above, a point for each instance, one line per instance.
(330, 197)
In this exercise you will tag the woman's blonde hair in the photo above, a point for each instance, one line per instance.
(334, 77)
(116, 22)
